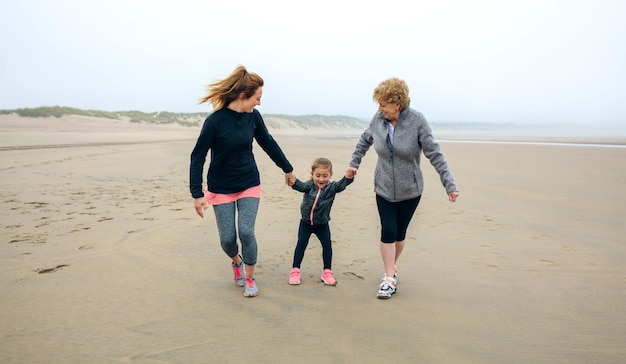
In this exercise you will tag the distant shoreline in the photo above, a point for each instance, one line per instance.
(559, 141)
(552, 143)
(17, 132)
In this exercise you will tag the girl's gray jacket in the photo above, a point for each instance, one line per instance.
(321, 210)
(398, 176)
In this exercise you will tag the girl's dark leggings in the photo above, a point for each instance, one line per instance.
(322, 231)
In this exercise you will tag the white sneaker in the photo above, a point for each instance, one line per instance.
(387, 288)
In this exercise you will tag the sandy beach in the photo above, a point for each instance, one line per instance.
(103, 259)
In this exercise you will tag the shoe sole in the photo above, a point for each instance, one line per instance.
(294, 283)
(250, 295)
(328, 284)
(385, 297)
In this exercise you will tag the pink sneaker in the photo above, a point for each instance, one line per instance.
(250, 289)
(294, 276)
(328, 278)
(238, 273)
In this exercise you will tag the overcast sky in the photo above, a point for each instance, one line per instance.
(492, 61)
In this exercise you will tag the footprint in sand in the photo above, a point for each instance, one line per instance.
(35, 239)
(548, 262)
(78, 229)
(37, 205)
(51, 270)
(352, 275)
(424, 251)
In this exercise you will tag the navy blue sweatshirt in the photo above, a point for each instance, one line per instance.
(232, 168)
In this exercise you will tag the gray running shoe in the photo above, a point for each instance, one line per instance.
(250, 289)
(387, 288)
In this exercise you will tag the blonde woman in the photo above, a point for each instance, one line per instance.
(399, 135)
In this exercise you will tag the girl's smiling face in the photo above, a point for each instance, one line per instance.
(321, 177)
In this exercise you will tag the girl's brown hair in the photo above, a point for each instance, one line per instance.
(323, 163)
(222, 92)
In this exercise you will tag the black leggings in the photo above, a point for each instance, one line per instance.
(322, 231)
(395, 218)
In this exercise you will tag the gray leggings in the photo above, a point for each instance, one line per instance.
(247, 208)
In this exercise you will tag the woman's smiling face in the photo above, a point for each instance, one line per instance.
(390, 110)
(247, 105)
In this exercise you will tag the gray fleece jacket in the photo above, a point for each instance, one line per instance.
(398, 176)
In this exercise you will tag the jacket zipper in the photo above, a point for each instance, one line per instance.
(313, 207)
(393, 168)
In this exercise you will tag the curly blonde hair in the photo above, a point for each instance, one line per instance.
(393, 90)
(222, 92)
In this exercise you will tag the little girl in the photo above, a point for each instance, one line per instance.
(319, 194)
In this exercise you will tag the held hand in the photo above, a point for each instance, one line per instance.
(290, 179)
(452, 196)
(200, 205)
(350, 172)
